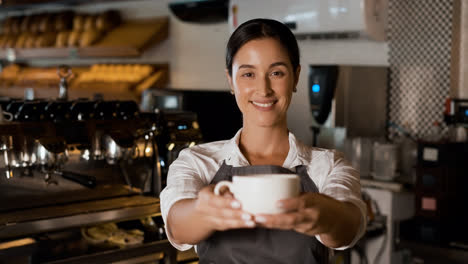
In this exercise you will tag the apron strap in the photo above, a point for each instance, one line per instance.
(226, 172)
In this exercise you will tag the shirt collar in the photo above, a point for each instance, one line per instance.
(296, 154)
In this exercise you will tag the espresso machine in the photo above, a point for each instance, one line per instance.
(80, 181)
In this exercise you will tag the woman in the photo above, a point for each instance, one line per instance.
(262, 67)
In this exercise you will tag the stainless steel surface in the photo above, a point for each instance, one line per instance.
(63, 72)
(80, 150)
(157, 176)
(113, 152)
(142, 259)
(7, 160)
(116, 256)
(96, 152)
(11, 228)
(43, 156)
(5, 116)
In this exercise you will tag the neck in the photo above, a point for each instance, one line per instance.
(265, 145)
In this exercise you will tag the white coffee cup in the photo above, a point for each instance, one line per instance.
(259, 194)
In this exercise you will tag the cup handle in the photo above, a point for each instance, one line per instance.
(222, 184)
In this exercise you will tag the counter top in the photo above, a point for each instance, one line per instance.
(50, 218)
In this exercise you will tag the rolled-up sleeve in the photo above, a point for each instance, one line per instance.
(343, 184)
(183, 182)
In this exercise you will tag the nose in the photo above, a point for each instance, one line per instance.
(264, 87)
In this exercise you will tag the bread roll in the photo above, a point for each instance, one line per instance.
(74, 38)
(78, 23)
(47, 23)
(45, 40)
(89, 37)
(30, 41)
(2, 40)
(62, 39)
(89, 23)
(10, 41)
(21, 41)
(35, 21)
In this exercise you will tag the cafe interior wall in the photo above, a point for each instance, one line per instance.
(420, 45)
(195, 54)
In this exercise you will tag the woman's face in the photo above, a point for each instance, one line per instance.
(263, 81)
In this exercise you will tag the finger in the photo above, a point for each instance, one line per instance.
(222, 224)
(228, 213)
(305, 228)
(306, 200)
(291, 204)
(228, 195)
(213, 200)
(223, 190)
(281, 221)
(223, 202)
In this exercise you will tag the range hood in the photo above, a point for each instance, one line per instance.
(200, 11)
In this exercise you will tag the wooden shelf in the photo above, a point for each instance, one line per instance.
(111, 91)
(130, 39)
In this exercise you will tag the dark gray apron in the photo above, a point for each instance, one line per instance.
(262, 245)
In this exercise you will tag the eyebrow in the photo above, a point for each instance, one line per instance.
(280, 63)
(248, 66)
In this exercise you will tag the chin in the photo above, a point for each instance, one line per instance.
(267, 122)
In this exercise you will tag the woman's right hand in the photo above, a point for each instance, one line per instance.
(222, 212)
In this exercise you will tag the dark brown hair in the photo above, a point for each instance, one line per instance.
(262, 28)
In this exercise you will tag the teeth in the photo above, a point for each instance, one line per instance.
(262, 105)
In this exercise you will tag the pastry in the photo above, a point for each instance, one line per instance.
(21, 41)
(78, 23)
(45, 40)
(62, 39)
(30, 41)
(74, 38)
(89, 23)
(10, 41)
(89, 37)
(46, 24)
(34, 26)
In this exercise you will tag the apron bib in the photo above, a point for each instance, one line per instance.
(262, 245)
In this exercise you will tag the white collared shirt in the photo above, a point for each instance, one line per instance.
(196, 167)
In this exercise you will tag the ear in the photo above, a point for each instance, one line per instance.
(296, 77)
(229, 79)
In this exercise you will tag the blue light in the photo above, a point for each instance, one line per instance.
(315, 88)
(466, 112)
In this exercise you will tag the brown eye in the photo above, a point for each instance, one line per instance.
(277, 73)
(248, 75)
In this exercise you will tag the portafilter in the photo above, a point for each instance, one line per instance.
(117, 148)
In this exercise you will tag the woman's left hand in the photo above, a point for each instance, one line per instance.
(310, 213)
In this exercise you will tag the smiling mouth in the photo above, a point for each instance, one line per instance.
(263, 105)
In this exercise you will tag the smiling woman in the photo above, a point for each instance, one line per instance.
(263, 80)
(262, 67)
